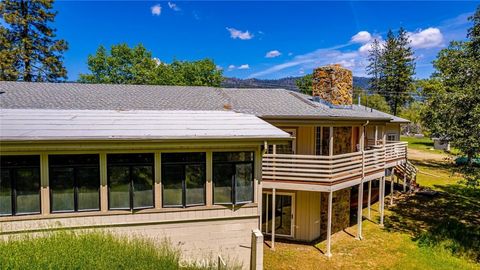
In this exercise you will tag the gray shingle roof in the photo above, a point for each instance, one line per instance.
(260, 102)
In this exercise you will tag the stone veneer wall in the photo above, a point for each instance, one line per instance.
(334, 84)
(340, 213)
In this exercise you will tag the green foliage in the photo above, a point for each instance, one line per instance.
(28, 48)
(454, 107)
(125, 65)
(391, 67)
(374, 101)
(305, 84)
(412, 112)
(68, 250)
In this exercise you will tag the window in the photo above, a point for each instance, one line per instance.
(322, 141)
(183, 179)
(233, 177)
(130, 181)
(74, 183)
(392, 137)
(19, 185)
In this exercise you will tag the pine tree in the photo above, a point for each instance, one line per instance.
(31, 40)
(374, 66)
(392, 67)
(404, 70)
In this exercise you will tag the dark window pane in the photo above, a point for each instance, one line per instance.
(325, 141)
(172, 177)
(183, 158)
(146, 158)
(119, 187)
(28, 190)
(142, 177)
(232, 156)
(88, 183)
(19, 161)
(244, 183)
(222, 179)
(5, 192)
(73, 160)
(62, 188)
(195, 177)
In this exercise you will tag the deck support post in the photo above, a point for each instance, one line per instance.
(329, 225)
(359, 213)
(405, 179)
(376, 135)
(392, 183)
(369, 202)
(273, 218)
(381, 198)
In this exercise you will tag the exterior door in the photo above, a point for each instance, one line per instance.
(284, 214)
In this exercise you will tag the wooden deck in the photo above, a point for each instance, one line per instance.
(281, 169)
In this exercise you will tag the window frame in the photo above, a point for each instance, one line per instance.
(184, 186)
(130, 165)
(75, 183)
(13, 185)
(233, 200)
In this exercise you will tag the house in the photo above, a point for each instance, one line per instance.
(200, 165)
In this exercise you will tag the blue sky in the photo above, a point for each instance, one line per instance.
(259, 39)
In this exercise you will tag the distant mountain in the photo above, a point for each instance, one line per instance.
(286, 83)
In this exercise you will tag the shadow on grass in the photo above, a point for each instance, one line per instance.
(450, 219)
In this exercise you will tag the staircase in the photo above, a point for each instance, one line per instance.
(407, 173)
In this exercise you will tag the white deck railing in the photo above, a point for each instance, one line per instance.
(330, 169)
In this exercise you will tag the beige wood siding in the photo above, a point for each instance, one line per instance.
(307, 217)
(306, 140)
(393, 128)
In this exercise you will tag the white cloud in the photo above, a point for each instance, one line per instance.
(156, 10)
(429, 38)
(232, 67)
(273, 54)
(361, 37)
(173, 6)
(311, 60)
(234, 33)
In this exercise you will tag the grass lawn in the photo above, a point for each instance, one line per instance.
(68, 250)
(420, 232)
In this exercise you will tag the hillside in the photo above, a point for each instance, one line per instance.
(287, 83)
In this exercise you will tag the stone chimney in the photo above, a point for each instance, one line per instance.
(334, 84)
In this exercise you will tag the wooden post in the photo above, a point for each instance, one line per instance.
(103, 183)
(273, 218)
(359, 213)
(44, 186)
(384, 135)
(376, 135)
(392, 183)
(369, 198)
(329, 225)
(381, 198)
(158, 180)
(405, 179)
(362, 138)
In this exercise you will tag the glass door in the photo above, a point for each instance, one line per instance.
(284, 213)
